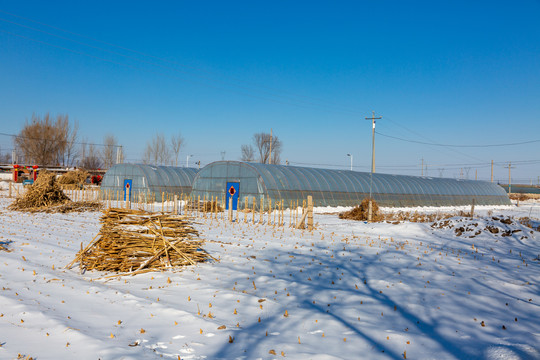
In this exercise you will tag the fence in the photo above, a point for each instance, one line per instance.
(275, 213)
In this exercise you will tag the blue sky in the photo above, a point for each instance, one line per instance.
(445, 72)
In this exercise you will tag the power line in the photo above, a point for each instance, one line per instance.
(43, 139)
(458, 146)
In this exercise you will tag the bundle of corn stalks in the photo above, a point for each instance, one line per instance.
(45, 195)
(361, 212)
(73, 179)
(134, 241)
(44, 192)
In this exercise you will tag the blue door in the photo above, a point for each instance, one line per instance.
(233, 190)
(127, 189)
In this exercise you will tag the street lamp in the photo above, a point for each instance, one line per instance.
(350, 155)
(187, 160)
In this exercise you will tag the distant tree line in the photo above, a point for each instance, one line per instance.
(263, 143)
(53, 141)
(159, 151)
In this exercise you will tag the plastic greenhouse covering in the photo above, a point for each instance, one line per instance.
(147, 182)
(257, 181)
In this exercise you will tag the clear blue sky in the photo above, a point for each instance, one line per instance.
(446, 72)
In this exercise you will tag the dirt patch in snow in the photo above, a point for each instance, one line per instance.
(493, 225)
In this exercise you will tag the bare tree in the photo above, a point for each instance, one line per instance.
(248, 154)
(45, 140)
(90, 157)
(5, 157)
(108, 153)
(262, 144)
(71, 153)
(176, 144)
(156, 151)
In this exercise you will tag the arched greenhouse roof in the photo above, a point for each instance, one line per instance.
(341, 187)
(149, 180)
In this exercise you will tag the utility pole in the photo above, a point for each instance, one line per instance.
(351, 156)
(509, 177)
(119, 155)
(370, 207)
(476, 175)
(270, 160)
(373, 118)
(491, 170)
(422, 171)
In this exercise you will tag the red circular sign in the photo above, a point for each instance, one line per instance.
(232, 191)
(127, 186)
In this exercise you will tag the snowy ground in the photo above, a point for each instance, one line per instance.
(348, 290)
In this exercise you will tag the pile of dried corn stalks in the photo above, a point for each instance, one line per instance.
(44, 192)
(46, 195)
(73, 179)
(133, 241)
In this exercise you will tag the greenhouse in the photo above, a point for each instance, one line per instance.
(146, 182)
(253, 183)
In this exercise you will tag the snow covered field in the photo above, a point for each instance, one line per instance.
(348, 290)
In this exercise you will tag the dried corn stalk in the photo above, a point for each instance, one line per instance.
(136, 240)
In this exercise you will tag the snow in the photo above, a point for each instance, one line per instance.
(349, 290)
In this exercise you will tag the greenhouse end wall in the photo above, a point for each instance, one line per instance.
(264, 183)
(146, 182)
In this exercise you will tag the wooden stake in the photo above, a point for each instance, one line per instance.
(261, 210)
(269, 210)
(282, 214)
(230, 209)
(290, 213)
(310, 213)
(302, 221)
(246, 206)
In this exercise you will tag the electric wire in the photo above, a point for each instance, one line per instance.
(458, 146)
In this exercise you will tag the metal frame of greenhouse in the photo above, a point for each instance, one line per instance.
(146, 182)
(255, 181)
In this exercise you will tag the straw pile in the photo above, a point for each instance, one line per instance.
(44, 192)
(134, 241)
(361, 212)
(73, 179)
(45, 195)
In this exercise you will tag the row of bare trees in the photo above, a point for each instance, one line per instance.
(268, 147)
(160, 152)
(52, 141)
(49, 140)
